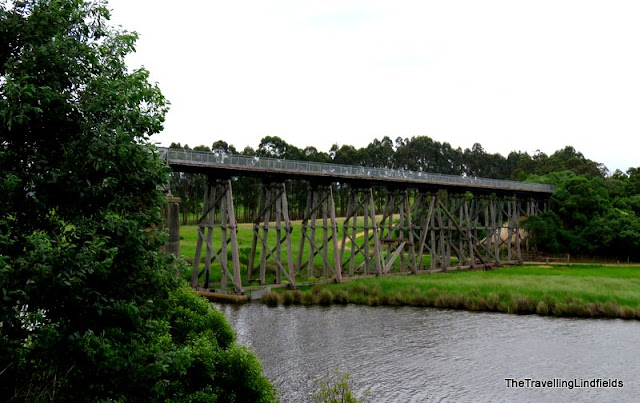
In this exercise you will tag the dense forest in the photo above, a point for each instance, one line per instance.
(593, 212)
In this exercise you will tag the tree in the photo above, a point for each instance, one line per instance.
(579, 200)
(275, 147)
(312, 154)
(91, 310)
(221, 147)
(566, 159)
(481, 164)
(589, 215)
(346, 155)
(426, 155)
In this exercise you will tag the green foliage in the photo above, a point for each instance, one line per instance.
(275, 147)
(545, 231)
(580, 199)
(336, 388)
(590, 216)
(91, 310)
(567, 159)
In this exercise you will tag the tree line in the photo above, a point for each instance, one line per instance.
(593, 212)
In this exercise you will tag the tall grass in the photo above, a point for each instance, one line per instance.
(570, 290)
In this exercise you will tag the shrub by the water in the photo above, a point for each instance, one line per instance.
(336, 388)
(271, 298)
(308, 298)
(340, 297)
(287, 298)
(325, 297)
(297, 296)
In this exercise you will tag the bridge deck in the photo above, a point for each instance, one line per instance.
(238, 165)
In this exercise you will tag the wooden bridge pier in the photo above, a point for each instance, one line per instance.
(398, 235)
(320, 205)
(361, 204)
(423, 210)
(473, 229)
(218, 203)
(470, 228)
(272, 206)
(458, 221)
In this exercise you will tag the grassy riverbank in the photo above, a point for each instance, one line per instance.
(563, 290)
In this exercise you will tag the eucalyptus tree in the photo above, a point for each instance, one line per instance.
(90, 309)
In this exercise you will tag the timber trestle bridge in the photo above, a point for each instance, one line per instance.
(428, 221)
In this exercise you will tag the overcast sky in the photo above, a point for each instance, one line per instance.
(510, 75)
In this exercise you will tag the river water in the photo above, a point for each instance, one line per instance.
(428, 355)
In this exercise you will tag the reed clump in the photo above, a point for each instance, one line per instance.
(308, 298)
(287, 298)
(340, 297)
(297, 296)
(272, 298)
(324, 297)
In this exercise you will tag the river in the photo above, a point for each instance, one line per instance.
(428, 355)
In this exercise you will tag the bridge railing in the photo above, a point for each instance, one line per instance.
(176, 155)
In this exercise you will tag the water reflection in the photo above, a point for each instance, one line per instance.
(422, 355)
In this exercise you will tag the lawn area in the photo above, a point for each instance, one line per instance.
(189, 237)
(562, 290)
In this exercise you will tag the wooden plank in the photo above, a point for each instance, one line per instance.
(237, 278)
(285, 210)
(303, 228)
(312, 238)
(367, 257)
(224, 260)
(325, 239)
(334, 227)
(412, 251)
(393, 257)
(265, 232)
(425, 230)
(278, 239)
(376, 241)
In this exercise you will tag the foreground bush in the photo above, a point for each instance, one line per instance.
(90, 309)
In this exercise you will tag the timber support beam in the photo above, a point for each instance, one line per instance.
(320, 206)
(217, 213)
(451, 229)
(361, 236)
(272, 214)
(397, 234)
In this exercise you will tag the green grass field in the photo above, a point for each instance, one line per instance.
(563, 290)
(559, 290)
(189, 237)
